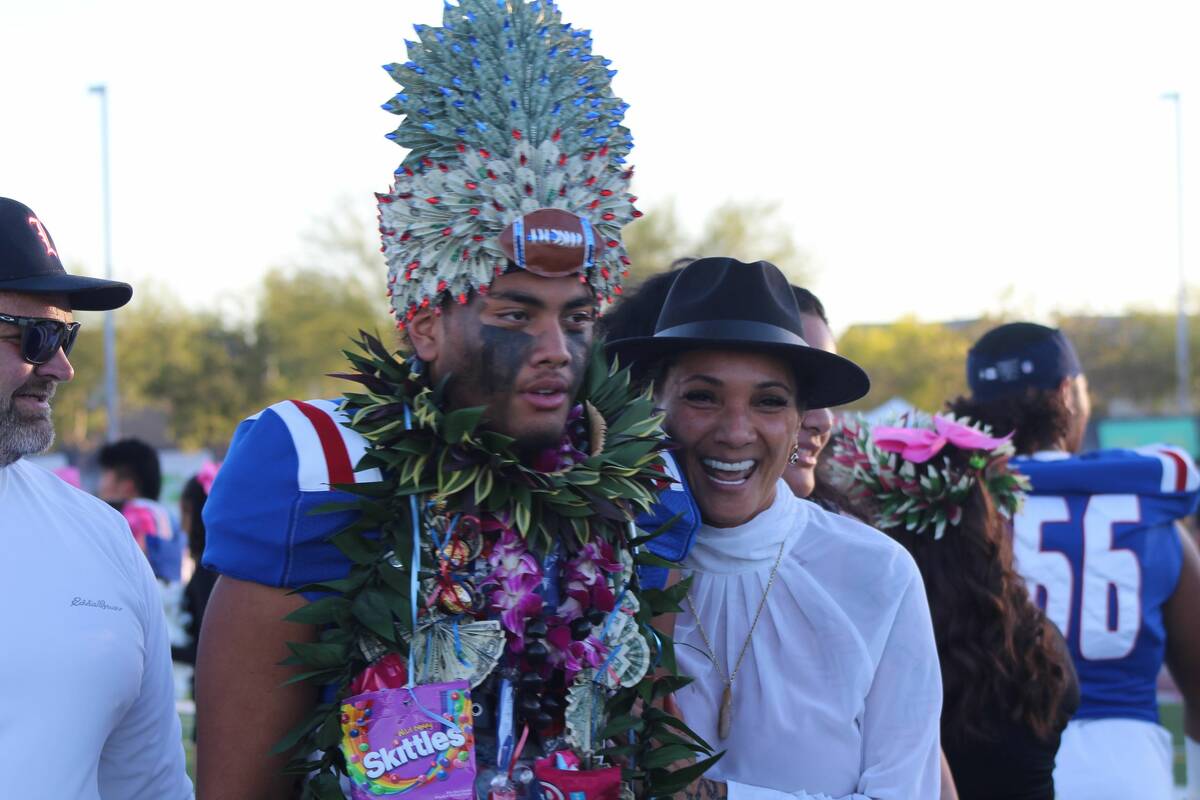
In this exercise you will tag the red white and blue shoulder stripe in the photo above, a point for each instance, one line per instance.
(283, 464)
(327, 451)
(1155, 470)
(1179, 473)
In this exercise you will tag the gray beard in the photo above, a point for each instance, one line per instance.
(22, 435)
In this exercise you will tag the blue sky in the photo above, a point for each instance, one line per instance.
(943, 159)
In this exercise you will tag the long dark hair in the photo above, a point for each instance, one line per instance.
(1038, 418)
(997, 649)
(191, 505)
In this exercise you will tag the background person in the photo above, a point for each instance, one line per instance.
(807, 632)
(1098, 544)
(1007, 679)
(200, 585)
(816, 425)
(131, 480)
(85, 677)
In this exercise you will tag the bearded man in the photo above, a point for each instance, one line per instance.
(86, 643)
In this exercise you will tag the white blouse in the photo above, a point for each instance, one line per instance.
(840, 694)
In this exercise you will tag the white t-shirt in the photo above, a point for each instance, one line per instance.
(87, 706)
(840, 692)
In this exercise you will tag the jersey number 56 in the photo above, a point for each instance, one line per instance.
(1110, 604)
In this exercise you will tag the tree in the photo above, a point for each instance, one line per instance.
(1130, 360)
(921, 362)
(306, 318)
(79, 417)
(746, 231)
(203, 372)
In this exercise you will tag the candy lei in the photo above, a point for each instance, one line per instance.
(523, 572)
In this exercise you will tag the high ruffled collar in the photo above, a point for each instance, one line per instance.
(753, 545)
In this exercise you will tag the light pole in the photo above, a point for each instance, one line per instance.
(1182, 357)
(111, 399)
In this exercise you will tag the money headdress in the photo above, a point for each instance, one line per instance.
(516, 157)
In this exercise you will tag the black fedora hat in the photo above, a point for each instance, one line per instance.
(29, 264)
(721, 303)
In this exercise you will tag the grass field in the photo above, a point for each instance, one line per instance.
(1171, 715)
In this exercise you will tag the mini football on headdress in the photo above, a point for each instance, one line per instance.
(516, 157)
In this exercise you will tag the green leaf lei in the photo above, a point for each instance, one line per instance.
(447, 458)
(927, 497)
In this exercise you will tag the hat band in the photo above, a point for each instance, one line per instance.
(735, 330)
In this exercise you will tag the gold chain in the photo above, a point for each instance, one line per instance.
(712, 653)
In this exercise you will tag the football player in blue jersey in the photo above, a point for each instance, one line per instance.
(1100, 545)
(520, 350)
(497, 302)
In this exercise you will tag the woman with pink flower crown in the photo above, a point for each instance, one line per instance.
(806, 632)
(944, 490)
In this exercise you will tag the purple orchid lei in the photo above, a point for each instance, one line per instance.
(586, 582)
(571, 449)
(516, 575)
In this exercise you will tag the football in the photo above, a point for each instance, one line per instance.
(549, 242)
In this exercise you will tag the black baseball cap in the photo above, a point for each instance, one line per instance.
(1019, 355)
(29, 264)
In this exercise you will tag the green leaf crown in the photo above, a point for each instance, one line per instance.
(926, 497)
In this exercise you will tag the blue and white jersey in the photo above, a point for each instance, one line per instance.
(1097, 545)
(676, 506)
(280, 467)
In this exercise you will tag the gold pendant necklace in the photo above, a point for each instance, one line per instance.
(725, 713)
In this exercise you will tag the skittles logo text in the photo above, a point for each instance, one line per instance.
(428, 730)
(423, 744)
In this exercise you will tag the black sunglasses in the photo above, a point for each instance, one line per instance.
(41, 337)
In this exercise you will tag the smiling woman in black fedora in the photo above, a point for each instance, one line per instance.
(807, 633)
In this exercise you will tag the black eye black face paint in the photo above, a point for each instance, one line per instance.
(502, 353)
(578, 344)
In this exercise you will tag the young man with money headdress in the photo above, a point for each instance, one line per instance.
(501, 440)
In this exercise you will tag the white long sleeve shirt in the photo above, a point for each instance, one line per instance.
(839, 695)
(87, 700)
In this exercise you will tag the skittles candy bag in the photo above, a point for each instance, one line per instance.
(418, 742)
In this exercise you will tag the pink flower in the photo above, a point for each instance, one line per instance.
(593, 558)
(580, 597)
(141, 520)
(206, 476)
(570, 449)
(516, 575)
(918, 445)
(572, 655)
(516, 599)
(585, 580)
(510, 557)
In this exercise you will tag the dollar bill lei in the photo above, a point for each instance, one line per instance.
(456, 466)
